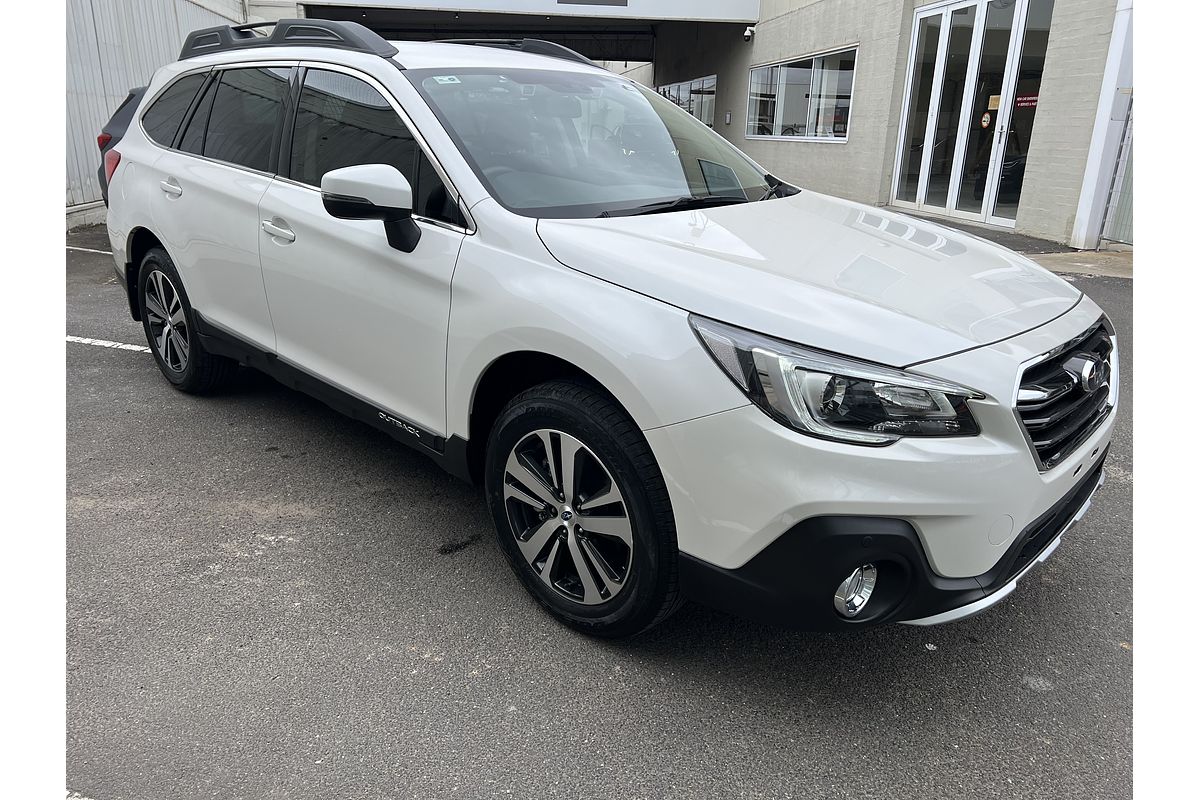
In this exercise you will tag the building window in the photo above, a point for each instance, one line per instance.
(697, 97)
(805, 99)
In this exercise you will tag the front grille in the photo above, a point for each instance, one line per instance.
(1067, 394)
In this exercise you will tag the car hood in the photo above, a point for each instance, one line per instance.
(822, 272)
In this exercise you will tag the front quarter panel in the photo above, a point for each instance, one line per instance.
(510, 296)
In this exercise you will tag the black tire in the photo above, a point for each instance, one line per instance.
(650, 590)
(198, 372)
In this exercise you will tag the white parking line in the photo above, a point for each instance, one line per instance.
(89, 250)
(112, 345)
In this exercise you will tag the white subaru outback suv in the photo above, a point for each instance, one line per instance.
(674, 375)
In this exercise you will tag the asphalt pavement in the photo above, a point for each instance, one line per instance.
(267, 600)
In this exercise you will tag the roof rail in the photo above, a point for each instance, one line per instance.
(535, 46)
(288, 32)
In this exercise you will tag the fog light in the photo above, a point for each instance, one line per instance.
(852, 596)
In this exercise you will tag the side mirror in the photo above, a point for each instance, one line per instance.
(373, 191)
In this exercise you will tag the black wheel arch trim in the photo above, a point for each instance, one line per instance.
(131, 279)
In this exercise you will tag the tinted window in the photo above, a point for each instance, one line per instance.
(342, 121)
(162, 118)
(430, 198)
(192, 140)
(245, 111)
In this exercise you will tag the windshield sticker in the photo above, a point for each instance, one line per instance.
(446, 79)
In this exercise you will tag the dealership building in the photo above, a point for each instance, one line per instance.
(1011, 114)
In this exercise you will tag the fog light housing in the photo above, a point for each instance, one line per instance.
(854, 593)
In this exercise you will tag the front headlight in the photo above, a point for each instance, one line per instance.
(835, 397)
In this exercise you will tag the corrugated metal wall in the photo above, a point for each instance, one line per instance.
(113, 45)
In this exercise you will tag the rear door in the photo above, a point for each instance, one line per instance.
(209, 183)
(346, 306)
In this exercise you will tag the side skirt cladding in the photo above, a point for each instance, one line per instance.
(450, 454)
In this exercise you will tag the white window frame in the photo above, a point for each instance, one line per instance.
(779, 96)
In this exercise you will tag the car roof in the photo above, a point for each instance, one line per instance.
(449, 55)
(409, 55)
(347, 41)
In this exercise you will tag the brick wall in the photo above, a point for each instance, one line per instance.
(1062, 131)
(793, 29)
(861, 168)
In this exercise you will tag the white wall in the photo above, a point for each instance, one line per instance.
(112, 46)
(640, 71)
(272, 9)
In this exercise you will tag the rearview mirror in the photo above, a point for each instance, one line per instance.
(373, 191)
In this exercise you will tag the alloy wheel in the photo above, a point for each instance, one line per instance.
(569, 518)
(168, 324)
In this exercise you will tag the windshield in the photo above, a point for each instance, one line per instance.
(565, 144)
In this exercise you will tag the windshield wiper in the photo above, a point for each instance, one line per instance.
(778, 189)
(678, 204)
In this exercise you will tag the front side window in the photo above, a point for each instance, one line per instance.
(162, 118)
(244, 117)
(342, 121)
(805, 99)
(565, 144)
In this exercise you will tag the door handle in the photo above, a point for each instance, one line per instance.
(279, 232)
(171, 187)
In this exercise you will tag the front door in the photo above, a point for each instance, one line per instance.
(346, 306)
(970, 103)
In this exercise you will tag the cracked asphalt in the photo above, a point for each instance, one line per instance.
(268, 600)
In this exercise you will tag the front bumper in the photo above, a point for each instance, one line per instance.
(792, 581)
(1028, 556)
(772, 516)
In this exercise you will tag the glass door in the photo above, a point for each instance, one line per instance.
(986, 100)
(1020, 105)
(943, 58)
(969, 107)
(943, 146)
(926, 68)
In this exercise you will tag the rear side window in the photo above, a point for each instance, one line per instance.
(342, 121)
(162, 118)
(192, 140)
(244, 117)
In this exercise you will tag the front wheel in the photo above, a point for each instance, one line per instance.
(582, 510)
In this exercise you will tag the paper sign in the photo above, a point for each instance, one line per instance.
(994, 103)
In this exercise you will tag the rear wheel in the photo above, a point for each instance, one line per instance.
(168, 321)
(582, 511)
